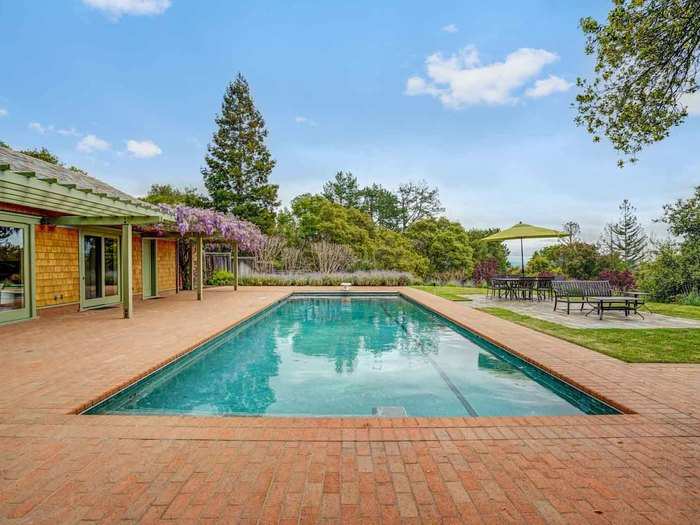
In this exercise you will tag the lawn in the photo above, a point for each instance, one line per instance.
(653, 345)
(676, 310)
(453, 293)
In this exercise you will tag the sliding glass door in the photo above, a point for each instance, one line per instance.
(99, 269)
(15, 291)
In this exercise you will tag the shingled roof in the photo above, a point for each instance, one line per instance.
(19, 162)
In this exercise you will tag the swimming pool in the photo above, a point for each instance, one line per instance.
(350, 355)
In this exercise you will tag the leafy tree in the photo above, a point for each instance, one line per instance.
(444, 243)
(394, 251)
(343, 190)
(664, 277)
(487, 251)
(578, 260)
(167, 194)
(4, 144)
(319, 219)
(417, 201)
(238, 161)
(42, 154)
(381, 205)
(628, 237)
(647, 59)
(683, 217)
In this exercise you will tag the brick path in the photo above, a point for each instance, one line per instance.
(641, 467)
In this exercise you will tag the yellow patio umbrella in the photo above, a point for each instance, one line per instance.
(524, 231)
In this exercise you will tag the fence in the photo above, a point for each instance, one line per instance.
(216, 261)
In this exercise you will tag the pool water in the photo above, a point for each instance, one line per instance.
(347, 355)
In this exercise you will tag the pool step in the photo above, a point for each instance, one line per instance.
(389, 412)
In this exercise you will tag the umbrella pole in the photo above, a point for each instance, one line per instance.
(522, 257)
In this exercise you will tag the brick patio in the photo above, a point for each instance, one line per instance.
(55, 467)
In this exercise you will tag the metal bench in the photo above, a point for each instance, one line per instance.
(578, 292)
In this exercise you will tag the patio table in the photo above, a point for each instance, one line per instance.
(626, 303)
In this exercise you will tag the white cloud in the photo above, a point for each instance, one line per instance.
(117, 8)
(461, 79)
(43, 130)
(305, 120)
(547, 86)
(692, 103)
(3, 112)
(450, 28)
(91, 143)
(143, 149)
(35, 126)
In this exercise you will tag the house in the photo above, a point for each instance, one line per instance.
(66, 240)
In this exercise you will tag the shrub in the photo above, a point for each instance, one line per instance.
(485, 270)
(221, 278)
(370, 278)
(619, 280)
(690, 299)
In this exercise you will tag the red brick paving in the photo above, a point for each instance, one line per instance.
(642, 467)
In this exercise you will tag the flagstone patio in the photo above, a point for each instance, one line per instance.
(59, 467)
(578, 319)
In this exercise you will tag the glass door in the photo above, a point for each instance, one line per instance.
(99, 269)
(14, 272)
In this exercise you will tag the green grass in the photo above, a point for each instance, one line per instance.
(453, 293)
(652, 345)
(675, 310)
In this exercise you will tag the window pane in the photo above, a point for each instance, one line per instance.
(92, 252)
(111, 267)
(11, 270)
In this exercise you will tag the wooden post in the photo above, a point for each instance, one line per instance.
(127, 276)
(235, 266)
(177, 265)
(200, 269)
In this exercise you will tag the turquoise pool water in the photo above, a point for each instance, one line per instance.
(350, 355)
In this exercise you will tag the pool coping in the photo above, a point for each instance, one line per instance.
(111, 392)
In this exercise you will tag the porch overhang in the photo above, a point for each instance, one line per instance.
(76, 205)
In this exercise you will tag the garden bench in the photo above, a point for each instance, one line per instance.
(578, 292)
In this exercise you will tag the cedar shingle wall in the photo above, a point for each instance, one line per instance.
(166, 265)
(57, 271)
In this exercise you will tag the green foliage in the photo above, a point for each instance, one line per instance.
(690, 299)
(577, 260)
(4, 144)
(238, 161)
(663, 277)
(222, 278)
(343, 190)
(319, 219)
(167, 194)
(417, 201)
(627, 237)
(484, 251)
(445, 244)
(647, 58)
(381, 205)
(394, 251)
(683, 217)
(42, 154)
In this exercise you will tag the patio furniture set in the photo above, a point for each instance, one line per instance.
(598, 295)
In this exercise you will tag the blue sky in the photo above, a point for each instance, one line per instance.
(392, 91)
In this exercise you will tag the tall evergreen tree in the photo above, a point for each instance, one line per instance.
(628, 237)
(238, 161)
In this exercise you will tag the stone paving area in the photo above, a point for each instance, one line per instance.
(55, 467)
(577, 319)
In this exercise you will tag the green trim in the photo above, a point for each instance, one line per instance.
(28, 267)
(19, 217)
(72, 220)
(86, 304)
(127, 271)
(26, 189)
(154, 264)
